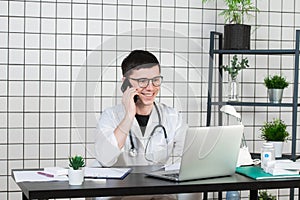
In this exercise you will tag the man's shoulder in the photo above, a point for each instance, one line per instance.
(167, 108)
(116, 108)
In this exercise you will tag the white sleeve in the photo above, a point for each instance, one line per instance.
(106, 145)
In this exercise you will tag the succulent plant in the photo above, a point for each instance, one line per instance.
(76, 162)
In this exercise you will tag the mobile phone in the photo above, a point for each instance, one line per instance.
(125, 85)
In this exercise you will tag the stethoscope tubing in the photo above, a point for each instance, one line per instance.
(133, 151)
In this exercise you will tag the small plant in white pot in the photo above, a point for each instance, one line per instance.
(275, 132)
(275, 85)
(76, 170)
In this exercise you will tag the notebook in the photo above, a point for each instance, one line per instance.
(208, 152)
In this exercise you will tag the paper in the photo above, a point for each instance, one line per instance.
(56, 171)
(282, 167)
(95, 172)
(286, 164)
(34, 176)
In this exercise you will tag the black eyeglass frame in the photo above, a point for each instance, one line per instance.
(138, 80)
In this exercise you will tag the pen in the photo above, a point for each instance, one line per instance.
(45, 174)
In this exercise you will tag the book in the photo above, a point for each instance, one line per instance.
(256, 172)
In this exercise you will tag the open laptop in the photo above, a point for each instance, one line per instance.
(208, 152)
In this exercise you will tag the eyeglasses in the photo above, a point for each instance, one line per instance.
(144, 82)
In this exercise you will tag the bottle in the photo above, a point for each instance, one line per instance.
(267, 154)
(232, 195)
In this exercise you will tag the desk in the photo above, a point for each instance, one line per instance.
(136, 183)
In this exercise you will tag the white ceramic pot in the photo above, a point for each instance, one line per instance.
(76, 177)
(278, 148)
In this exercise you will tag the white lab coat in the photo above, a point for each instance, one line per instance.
(106, 147)
(108, 153)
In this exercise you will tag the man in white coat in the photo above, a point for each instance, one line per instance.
(140, 131)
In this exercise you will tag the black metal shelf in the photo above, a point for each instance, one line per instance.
(220, 52)
(243, 103)
(219, 102)
(257, 51)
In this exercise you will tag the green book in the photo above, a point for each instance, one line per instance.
(256, 172)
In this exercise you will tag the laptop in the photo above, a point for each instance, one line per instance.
(208, 152)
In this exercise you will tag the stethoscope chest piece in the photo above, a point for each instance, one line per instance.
(133, 152)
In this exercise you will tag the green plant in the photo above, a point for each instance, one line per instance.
(236, 66)
(237, 10)
(275, 82)
(264, 195)
(76, 162)
(274, 131)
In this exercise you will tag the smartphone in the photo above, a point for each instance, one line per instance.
(127, 84)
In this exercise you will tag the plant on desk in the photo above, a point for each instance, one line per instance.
(275, 132)
(76, 170)
(275, 85)
(264, 195)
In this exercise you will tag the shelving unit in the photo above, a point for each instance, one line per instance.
(220, 52)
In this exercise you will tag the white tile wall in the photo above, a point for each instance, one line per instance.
(59, 68)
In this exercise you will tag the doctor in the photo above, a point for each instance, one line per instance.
(140, 131)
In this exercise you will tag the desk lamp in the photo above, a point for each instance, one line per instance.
(244, 155)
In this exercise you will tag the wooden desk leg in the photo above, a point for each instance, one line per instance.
(253, 194)
(24, 197)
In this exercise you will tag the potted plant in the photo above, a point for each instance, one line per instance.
(76, 171)
(236, 33)
(275, 132)
(264, 195)
(233, 71)
(275, 85)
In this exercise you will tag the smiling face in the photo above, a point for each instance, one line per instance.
(146, 95)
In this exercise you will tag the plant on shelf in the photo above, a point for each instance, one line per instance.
(236, 33)
(236, 66)
(264, 195)
(237, 10)
(76, 172)
(276, 82)
(275, 85)
(275, 132)
(233, 71)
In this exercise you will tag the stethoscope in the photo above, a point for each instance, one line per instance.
(133, 151)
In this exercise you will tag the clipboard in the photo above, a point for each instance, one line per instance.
(106, 172)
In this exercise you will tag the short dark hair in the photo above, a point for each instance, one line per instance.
(138, 59)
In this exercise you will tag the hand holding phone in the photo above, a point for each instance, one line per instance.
(125, 85)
